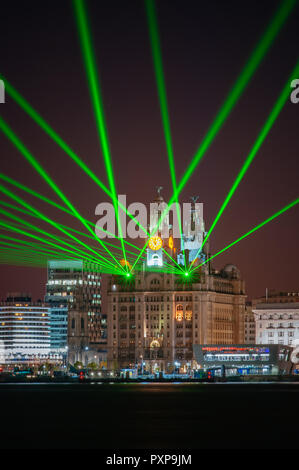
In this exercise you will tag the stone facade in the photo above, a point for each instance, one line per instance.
(277, 323)
(154, 320)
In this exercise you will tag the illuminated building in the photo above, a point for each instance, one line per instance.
(26, 332)
(155, 244)
(155, 317)
(244, 359)
(154, 252)
(58, 327)
(277, 322)
(73, 285)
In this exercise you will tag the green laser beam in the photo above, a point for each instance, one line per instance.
(248, 71)
(52, 254)
(36, 229)
(37, 249)
(16, 227)
(18, 209)
(162, 95)
(58, 206)
(280, 102)
(36, 165)
(37, 118)
(75, 254)
(97, 101)
(172, 259)
(51, 133)
(20, 258)
(239, 86)
(46, 219)
(284, 209)
(35, 246)
(11, 206)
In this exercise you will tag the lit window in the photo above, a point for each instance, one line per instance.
(188, 315)
(179, 313)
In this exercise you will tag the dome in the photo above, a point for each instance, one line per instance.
(231, 270)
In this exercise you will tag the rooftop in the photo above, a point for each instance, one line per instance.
(277, 306)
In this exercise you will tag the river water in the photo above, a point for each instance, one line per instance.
(149, 416)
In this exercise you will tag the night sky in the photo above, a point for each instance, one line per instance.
(204, 45)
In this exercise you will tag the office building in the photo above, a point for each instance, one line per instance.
(74, 287)
(26, 332)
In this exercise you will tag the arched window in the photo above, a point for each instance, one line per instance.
(155, 344)
(188, 314)
(82, 323)
(73, 323)
(179, 313)
(156, 260)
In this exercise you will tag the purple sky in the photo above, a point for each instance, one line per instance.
(204, 48)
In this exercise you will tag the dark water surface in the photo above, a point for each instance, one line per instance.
(173, 416)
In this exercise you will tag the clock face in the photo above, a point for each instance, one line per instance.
(155, 243)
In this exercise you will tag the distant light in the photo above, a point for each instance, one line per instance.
(170, 243)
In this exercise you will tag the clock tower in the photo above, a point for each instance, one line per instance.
(155, 243)
(155, 252)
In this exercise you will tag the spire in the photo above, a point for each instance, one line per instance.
(159, 198)
(194, 199)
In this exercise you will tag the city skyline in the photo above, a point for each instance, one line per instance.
(149, 297)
